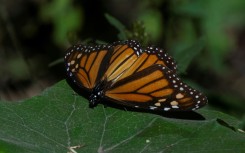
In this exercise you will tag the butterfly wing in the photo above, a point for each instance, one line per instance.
(88, 65)
(84, 64)
(124, 54)
(155, 87)
(160, 57)
(128, 58)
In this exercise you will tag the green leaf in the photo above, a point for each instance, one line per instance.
(60, 121)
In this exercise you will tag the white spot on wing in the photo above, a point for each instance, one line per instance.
(152, 107)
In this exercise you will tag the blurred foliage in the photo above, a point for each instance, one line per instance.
(188, 21)
(18, 68)
(118, 25)
(65, 17)
(185, 56)
(152, 20)
(216, 20)
(138, 32)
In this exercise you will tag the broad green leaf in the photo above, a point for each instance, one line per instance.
(59, 121)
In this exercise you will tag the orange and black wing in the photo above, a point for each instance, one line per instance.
(85, 64)
(128, 58)
(159, 56)
(88, 65)
(123, 55)
(157, 88)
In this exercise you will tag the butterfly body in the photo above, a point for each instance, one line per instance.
(97, 94)
(126, 74)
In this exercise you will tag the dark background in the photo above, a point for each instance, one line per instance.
(206, 37)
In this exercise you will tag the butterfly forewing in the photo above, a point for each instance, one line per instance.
(85, 63)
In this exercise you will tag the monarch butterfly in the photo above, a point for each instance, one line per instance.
(126, 74)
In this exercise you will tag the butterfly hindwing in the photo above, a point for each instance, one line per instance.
(155, 87)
